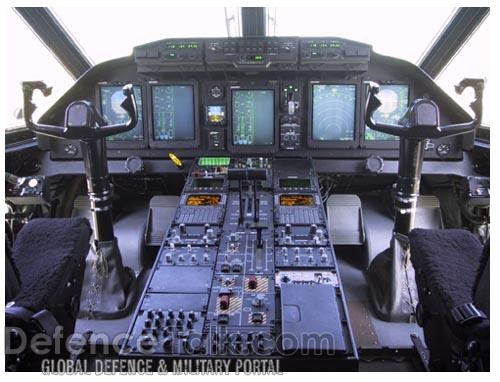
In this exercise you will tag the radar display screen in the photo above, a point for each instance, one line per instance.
(208, 182)
(173, 112)
(216, 115)
(394, 100)
(294, 183)
(296, 200)
(111, 97)
(203, 200)
(333, 112)
(253, 117)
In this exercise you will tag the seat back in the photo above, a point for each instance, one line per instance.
(450, 272)
(49, 255)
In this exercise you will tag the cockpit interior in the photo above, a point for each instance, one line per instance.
(245, 198)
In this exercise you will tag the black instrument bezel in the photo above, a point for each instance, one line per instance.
(177, 144)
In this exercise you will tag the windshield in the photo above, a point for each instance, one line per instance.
(393, 31)
(115, 31)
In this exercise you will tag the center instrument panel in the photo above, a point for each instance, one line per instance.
(285, 96)
(246, 269)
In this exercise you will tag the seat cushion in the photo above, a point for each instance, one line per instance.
(449, 260)
(45, 253)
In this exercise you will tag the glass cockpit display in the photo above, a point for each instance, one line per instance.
(216, 114)
(111, 97)
(394, 100)
(173, 112)
(253, 117)
(334, 108)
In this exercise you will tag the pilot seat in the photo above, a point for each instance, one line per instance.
(452, 275)
(46, 269)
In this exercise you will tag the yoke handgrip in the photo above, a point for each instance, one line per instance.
(421, 120)
(82, 120)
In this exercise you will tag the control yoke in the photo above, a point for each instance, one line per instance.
(105, 270)
(82, 121)
(421, 120)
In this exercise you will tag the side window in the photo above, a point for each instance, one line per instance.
(471, 61)
(27, 59)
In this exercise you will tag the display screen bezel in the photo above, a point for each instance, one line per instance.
(254, 148)
(130, 144)
(180, 144)
(318, 144)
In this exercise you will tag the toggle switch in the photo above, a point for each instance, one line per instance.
(181, 314)
(167, 343)
(258, 301)
(313, 229)
(182, 228)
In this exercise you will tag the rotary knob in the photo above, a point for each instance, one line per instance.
(134, 164)
(216, 92)
(146, 343)
(374, 164)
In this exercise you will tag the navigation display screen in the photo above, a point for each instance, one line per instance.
(394, 100)
(333, 112)
(253, 117)
(173, 112)
(111, 97)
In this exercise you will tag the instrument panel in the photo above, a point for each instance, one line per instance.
(244, 96)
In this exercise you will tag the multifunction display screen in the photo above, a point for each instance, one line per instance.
(253, 117)
(333, 112)
(173, 112)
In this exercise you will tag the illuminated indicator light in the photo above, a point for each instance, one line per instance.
(214, 161)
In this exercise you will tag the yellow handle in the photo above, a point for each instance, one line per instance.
(175, 160)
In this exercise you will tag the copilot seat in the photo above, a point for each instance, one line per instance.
(452, 274)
